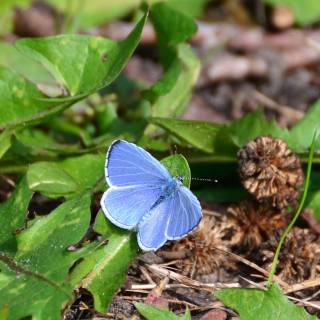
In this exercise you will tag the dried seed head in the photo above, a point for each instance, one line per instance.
(299, 258)
(203, 256)
(255, 223)
(270, 171)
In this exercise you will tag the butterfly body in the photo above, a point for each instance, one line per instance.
(143, 196)
(169, 189)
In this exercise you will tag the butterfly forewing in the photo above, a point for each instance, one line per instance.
(128, 165)
(135, 179)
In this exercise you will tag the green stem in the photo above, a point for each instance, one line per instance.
(13, 169)
(293, 221)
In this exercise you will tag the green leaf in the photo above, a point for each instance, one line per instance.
(252, 126)
(69, 128)
(35, 142)
(13, 214)
(199, 134)
(94, 12)
(100, 62)
(305, 12)
(19, 100)
(66, 177)
(22, 103)
(178, 166)
(173, 91)
(103, 226)
(313, 200)
(12, 58)
(189, 7)
(4, 313)
(171, 25)
(314, 203)
(170, 95)
(33, 282)
(152, 313)
(165, 84)
(50, 179)
(5, 141)
(302, 133)
(172, 29)
(270, 304)
(104, 270)
(154, 144)
(12, 4)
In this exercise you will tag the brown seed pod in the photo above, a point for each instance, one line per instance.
(270, 171)
(255, 223)
(200, 248)
(299, 258)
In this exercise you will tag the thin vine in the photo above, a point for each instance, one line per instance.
(296, 216)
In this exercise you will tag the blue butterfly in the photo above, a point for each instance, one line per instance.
(143, 196)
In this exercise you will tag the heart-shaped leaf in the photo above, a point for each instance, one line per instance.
(103, 271)
(19, 100)
(83, 64)
(269, 304)
(151, 313)
(13, 214)
(200, 134)
(65, 178)
(178, 166)
(33, 278)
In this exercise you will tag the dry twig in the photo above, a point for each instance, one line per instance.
(288, 112)
(256, 267)
(188, 282)
(311, 283)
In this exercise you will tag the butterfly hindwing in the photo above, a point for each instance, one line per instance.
(185, 214)
(151, 231)
(172, 219)
(129, 165)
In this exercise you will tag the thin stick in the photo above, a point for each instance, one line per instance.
(188, 282)
(142, 288)
(305, 303)
(256, 267)
(311, 283)
(254, 284)
(147, 275)
(9, 181)
(174, 255)
(291, 113)
(274, 106)
(130, 298)
(211, 213)
(149, 286)
(312, 296)
(293, 221)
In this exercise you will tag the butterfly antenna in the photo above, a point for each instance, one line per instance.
(205, 179)
(198, 179)
(174, 149)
